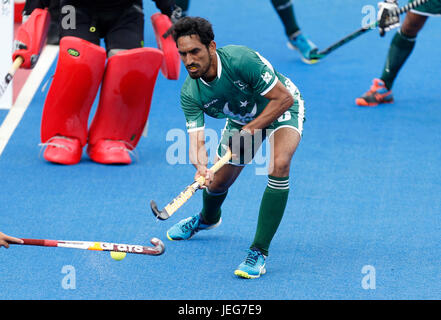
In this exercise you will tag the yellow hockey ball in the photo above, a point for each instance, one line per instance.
(118, 256)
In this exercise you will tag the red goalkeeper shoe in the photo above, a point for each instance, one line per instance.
(63, 150)
(377, 94)
(109, 152)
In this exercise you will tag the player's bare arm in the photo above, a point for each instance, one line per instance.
(280, 101)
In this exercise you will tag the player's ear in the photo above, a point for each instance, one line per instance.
(212, 47)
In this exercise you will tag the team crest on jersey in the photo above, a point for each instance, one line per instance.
(247, 117)
(267, 77)
(243, 104)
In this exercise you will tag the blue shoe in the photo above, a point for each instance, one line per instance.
(306, 47)
(253, 266)
(187, 228)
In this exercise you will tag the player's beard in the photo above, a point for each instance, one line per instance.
(201, 72)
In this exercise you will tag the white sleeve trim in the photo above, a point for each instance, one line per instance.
(270, 87)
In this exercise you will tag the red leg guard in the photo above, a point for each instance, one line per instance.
(66, 111)
(171, 65)
(124, 105)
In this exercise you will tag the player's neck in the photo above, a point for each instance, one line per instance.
(211, 74)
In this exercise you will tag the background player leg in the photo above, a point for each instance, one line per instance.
(296, 39)
(399, 50)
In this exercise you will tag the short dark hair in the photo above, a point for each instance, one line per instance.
(194, 26)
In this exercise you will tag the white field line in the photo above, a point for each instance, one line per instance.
(26, 94)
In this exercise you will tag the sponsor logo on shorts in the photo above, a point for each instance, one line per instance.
(191, 124)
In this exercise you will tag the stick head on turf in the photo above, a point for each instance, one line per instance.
(159, 246)
(161, 215)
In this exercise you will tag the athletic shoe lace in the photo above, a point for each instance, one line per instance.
(50, 143)
(190, 225)
(373, 89)
(252, 257)
(129, 148)
(53, 144)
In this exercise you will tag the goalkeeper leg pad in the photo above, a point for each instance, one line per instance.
(124, 105)
(78, 75)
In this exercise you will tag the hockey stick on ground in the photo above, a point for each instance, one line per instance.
(157, 250)
(188, 192)
(8, 78)
(359, 32)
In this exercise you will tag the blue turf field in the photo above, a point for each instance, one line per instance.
(3, 114)
(365, 184)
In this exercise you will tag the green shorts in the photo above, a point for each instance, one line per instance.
(431, 8)
(294, 118)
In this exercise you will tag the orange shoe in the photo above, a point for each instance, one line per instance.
(378, 93)
(63, 150)
(109, 152)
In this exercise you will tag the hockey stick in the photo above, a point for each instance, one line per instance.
(188, 192)
(8, 78)
(359, 32)
(157, 250)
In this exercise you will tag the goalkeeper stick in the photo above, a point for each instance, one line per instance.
(8, 78)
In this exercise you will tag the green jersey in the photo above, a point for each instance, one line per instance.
(237, 93)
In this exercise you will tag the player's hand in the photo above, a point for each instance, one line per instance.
(206, 173)
(388, 17)
(168, 7)
(21, 50)
(176, 14)
(5, 240)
